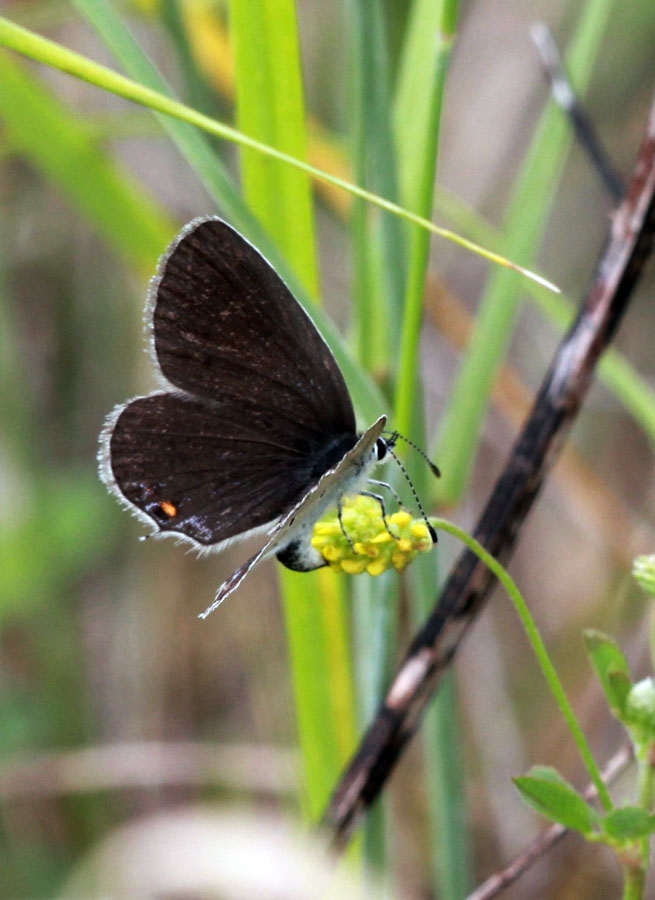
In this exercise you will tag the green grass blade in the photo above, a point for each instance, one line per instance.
(527, 217)
(53, 54)
(375, 630)
(316, 619)
(419, 183)
(378, 284)
(427, 30)
(64, 149)
(191, 143)
(378, 242)
(445, 787)
(196, 89)
(270, 107)
(637, 397)
(615, 371)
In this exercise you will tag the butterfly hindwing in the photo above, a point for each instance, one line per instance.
(201, 472)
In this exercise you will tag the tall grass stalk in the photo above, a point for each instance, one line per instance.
(378, 262)
(270, 107)
(526, 219)
(417, 116)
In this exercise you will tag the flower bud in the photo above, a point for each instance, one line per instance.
(640, 710)
(643, 571)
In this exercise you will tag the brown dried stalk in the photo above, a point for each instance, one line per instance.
(535, 451)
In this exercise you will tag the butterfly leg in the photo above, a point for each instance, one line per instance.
(382, 507)
(389, 488)
(343, 529)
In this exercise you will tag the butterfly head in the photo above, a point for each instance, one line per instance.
(383, 446)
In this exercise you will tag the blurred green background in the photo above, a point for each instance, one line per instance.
(117, 705)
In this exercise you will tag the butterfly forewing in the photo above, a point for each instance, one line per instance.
(226, 326)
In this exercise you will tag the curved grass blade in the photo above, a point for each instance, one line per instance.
(50, 53)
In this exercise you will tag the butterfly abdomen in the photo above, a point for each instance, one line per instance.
(300, 556)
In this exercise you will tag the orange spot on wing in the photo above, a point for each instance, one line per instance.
(169, 508)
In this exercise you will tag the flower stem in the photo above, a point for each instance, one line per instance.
(634, 882)
(647, 777)
(540, 652)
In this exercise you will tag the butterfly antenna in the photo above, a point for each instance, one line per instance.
(395, 435)
(433, 533)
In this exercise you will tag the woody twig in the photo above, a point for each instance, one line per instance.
(469, 584)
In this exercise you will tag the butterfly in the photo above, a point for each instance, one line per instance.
(254, 430)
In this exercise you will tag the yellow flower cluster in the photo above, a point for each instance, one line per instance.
(374, 549)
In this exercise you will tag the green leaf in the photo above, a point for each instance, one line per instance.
(628, 823)
(545, 790)
(611, 667)
(619, 687)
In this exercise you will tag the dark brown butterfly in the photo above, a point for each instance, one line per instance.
(254, 430)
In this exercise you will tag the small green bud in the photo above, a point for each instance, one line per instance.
(643, 571)
(376, 547)
(639, 713)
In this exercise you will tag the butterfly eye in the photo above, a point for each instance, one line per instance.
(381, 448)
